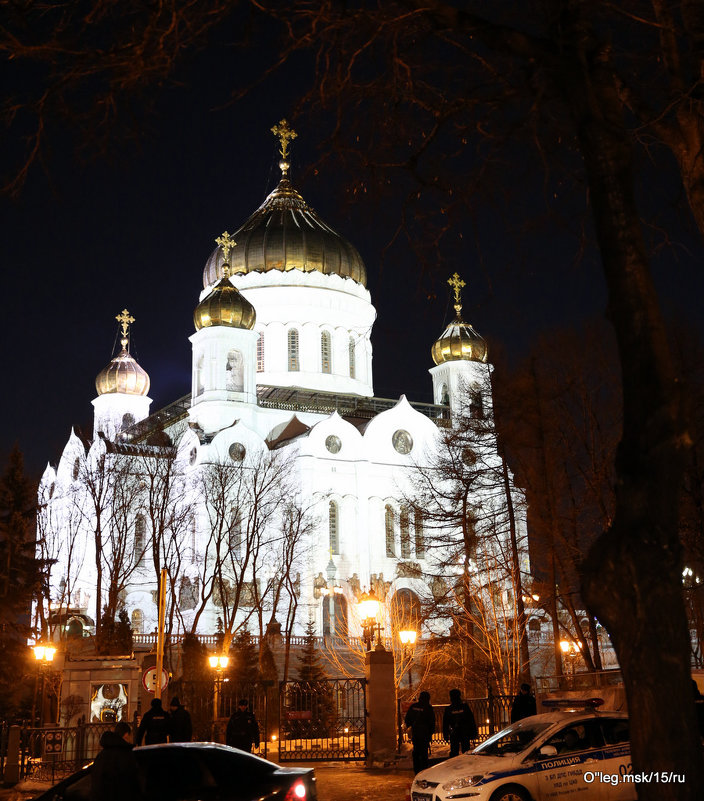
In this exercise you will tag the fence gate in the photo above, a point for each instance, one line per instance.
(322, 720)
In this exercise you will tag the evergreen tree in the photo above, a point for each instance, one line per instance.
(313, 693)
(21, 580)
(115, 636)
(244, 662)
(310, 668)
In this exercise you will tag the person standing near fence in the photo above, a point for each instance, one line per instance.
(523, 704)
(155, 725)
(242, 728)
(115, 774)
(458, 724)
(181, 726)
(420, 719)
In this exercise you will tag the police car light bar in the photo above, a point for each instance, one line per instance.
(573, 703)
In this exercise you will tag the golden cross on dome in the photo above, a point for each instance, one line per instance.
(285, 135)
(125, 319)
(457, 283)
(226, 243)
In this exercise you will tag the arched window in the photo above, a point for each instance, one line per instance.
(235, 532)
(140, 530)
(333, 521)
(137, 621)
(260, 352)
(405, 610)
(293, 364)
(405, 534)
(234, 372)
(76, 468)
(389, 529)
(476, 405)
(352, 357)
(339, 604)
(444, 395)
(325, 352)
(419, 534)
(192, 527)
(199, 375)
(127, 420)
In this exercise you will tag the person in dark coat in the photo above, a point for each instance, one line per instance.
(420, 719)
(115, 774)
(458, 724)
(242, 728)
(698, 706)
(523, 704)
(181, 726)
(155, 726)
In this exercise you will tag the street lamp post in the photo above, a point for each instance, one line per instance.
(218, 664)
(368, 608)
(408, 641)
(570, 650)
(44, 654)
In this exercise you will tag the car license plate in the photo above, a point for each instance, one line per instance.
(422, 797)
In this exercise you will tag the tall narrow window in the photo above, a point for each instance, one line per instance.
(389, 528)
(325, 348)
(260, 352)
(405, 534)
(353, 363)
(476, 405)
(137, 621)
(235, 532)
(192, 525)
(199, 375)
(140, 529)
(334, 528)
(420, 535)
(293, 365)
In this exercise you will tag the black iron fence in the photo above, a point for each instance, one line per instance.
(51, 753)
(322, 720)
(491, 714)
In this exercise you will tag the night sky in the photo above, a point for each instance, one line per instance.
(92, 233)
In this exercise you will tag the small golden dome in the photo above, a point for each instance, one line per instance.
(123, 375)
(225, 305)
(459, 341)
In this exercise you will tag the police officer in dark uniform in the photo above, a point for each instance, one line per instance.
(420, 719)
(458, 724)
(523, 704)
(242, 728)
(155, 725)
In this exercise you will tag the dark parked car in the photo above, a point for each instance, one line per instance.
(203, 771)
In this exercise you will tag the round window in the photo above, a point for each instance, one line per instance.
(237, 451)
(333, 443)
(402, 441)
(193, 455)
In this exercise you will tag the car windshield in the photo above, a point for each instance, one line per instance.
(512, 740)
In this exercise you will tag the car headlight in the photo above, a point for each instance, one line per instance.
(465, 781)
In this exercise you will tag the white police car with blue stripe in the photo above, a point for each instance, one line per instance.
(576, 754)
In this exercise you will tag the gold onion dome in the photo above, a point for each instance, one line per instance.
(285, 233)
(123, 374)
(459, 341)
(225, 305)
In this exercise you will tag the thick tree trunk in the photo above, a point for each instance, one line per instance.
(632, 575)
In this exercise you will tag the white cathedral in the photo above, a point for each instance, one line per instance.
(281, 363)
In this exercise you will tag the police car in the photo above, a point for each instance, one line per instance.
(575, 754)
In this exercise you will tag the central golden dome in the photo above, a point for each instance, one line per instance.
(285, 233)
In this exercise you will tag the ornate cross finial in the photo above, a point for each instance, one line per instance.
(457, 283)
(125, 319)
(226, 243)
(285, 135)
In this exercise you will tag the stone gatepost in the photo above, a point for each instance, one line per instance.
(381, 705)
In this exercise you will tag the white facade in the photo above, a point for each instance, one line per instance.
(257, 392)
